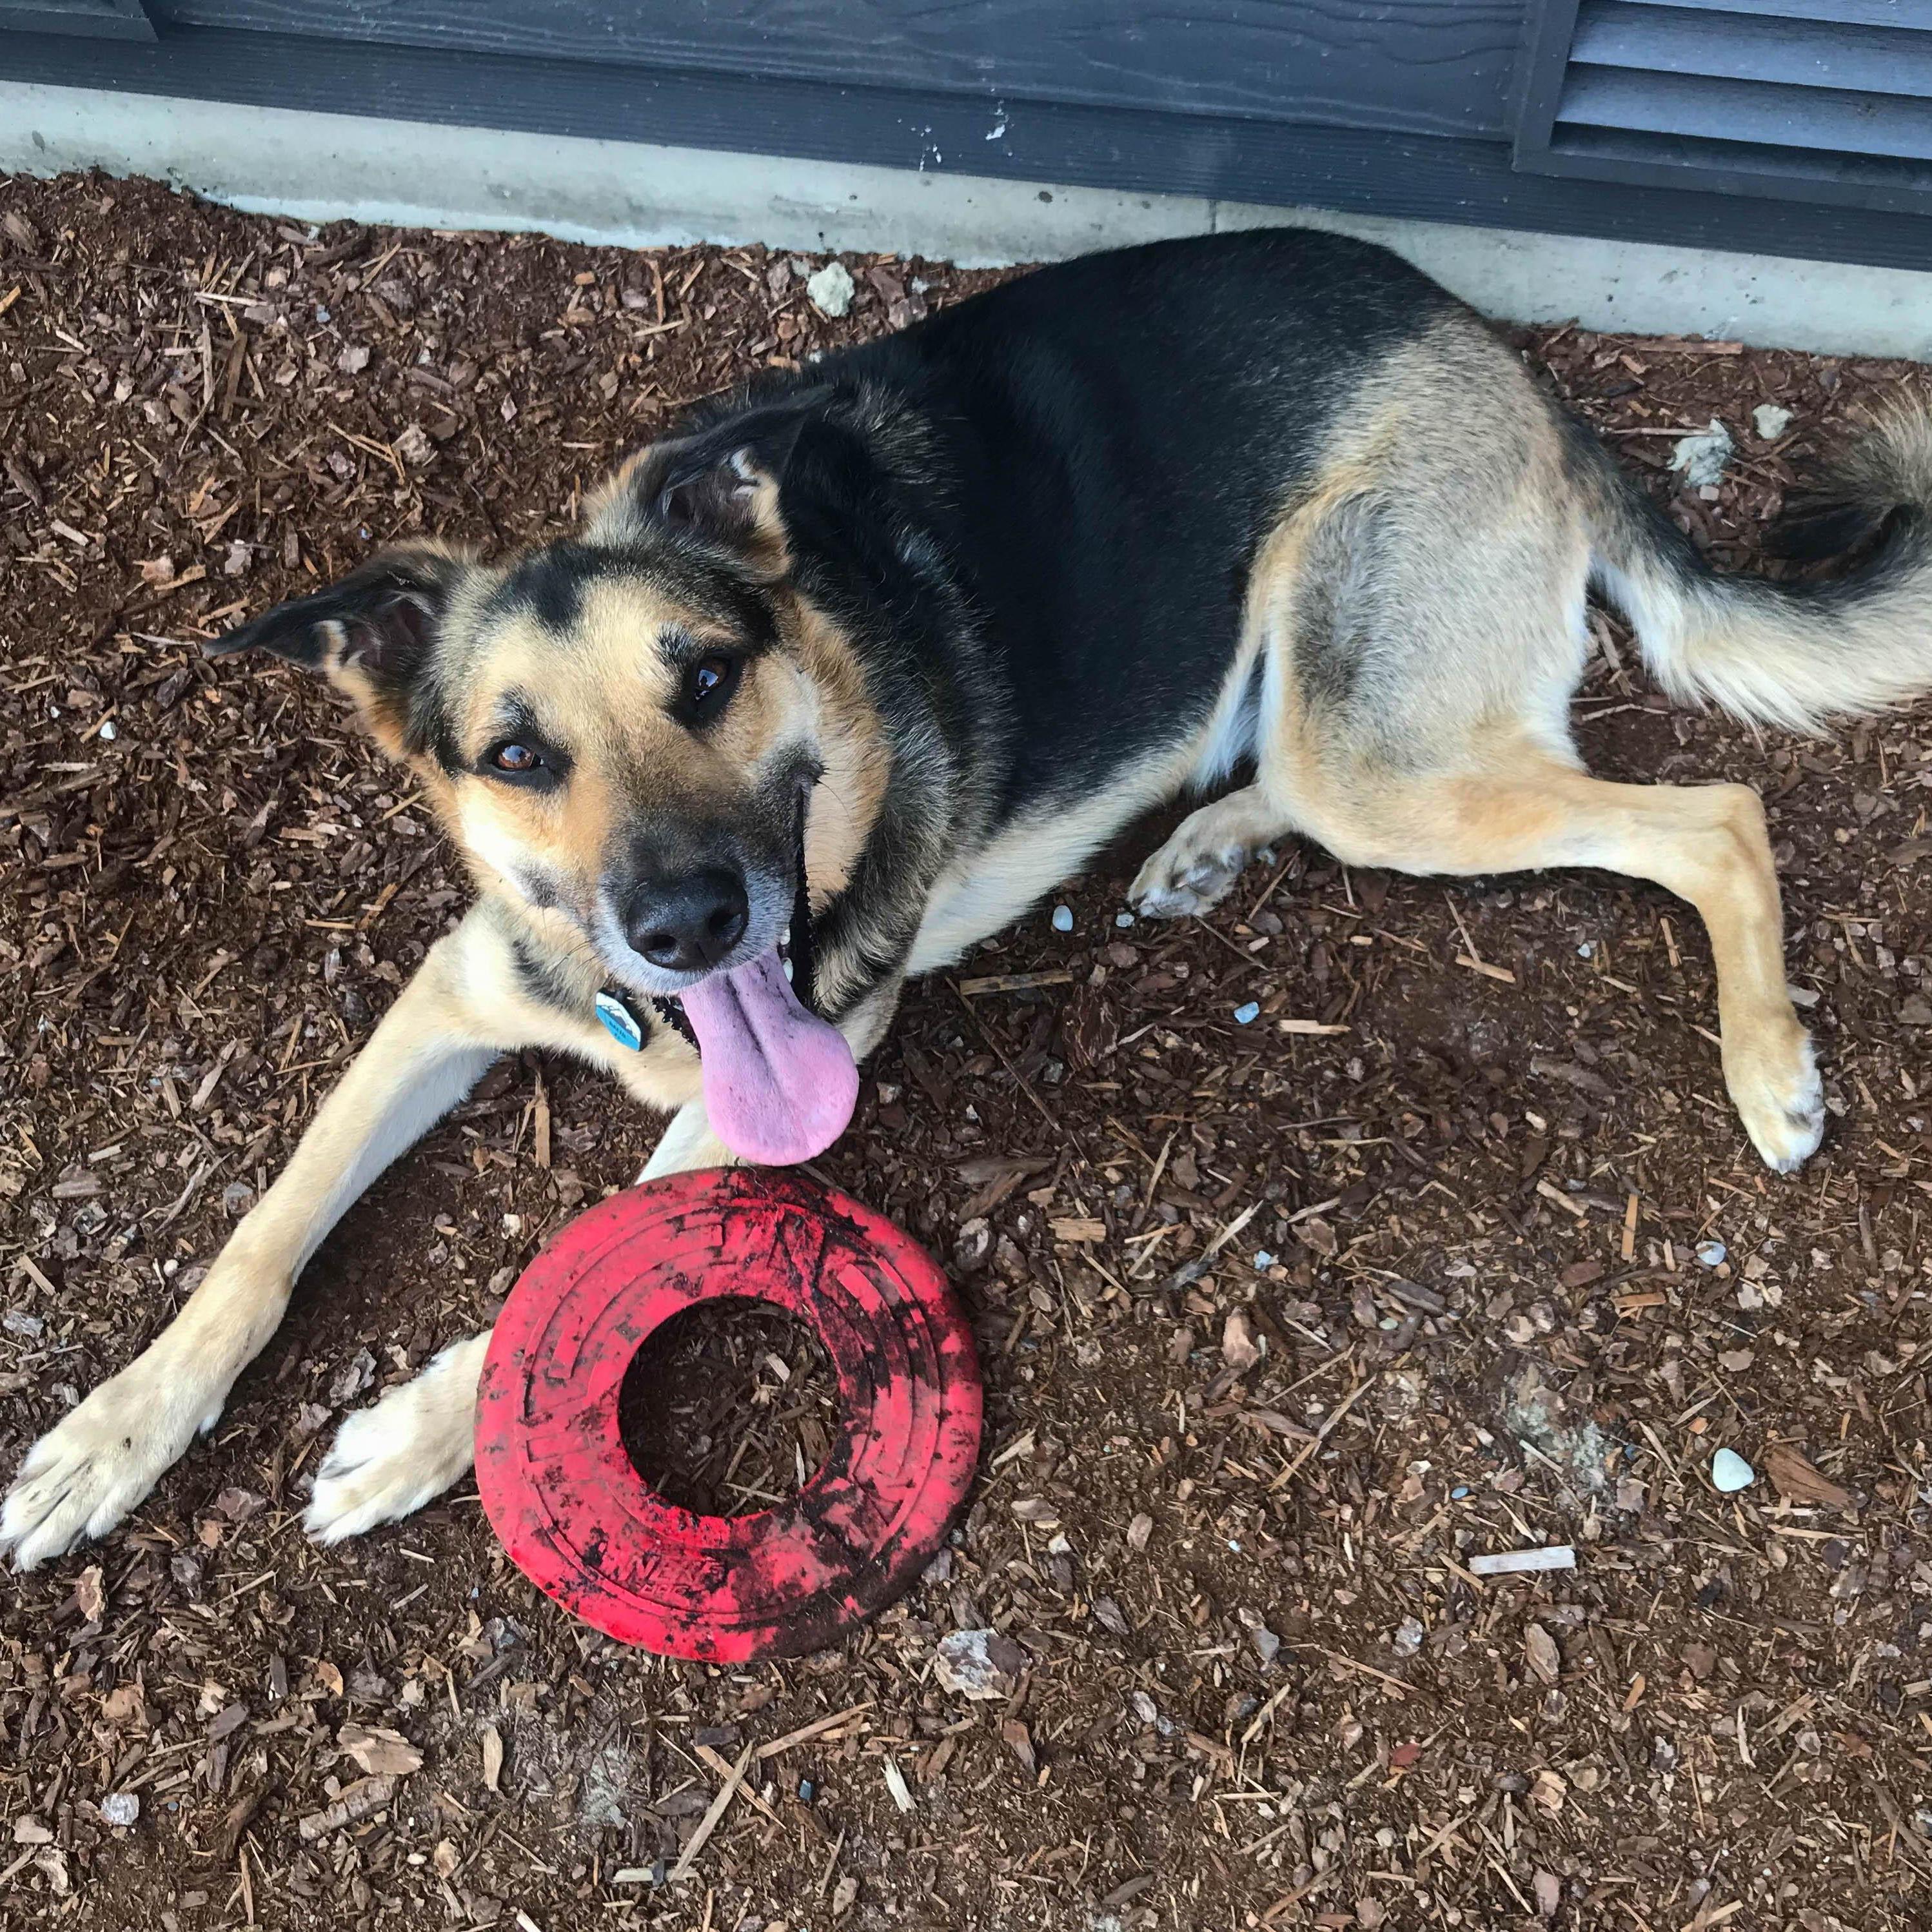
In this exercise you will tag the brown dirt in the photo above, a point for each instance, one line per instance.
(729, 1408)
(1263, 1687)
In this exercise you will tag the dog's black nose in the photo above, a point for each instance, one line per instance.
(688, 925)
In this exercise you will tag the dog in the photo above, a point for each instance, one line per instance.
(834, 682)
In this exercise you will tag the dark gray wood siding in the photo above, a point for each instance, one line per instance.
(1419, 66)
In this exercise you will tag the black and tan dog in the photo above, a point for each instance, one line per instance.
(928, 624)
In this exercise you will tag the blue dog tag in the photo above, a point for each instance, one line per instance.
(619, 1022)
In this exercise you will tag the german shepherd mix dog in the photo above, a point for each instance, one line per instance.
(870, 658)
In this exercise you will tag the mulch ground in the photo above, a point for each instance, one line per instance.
(1456, 1248)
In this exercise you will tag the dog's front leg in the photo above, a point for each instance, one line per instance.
(391, 1459)
(87, 1472)
(688, 1142)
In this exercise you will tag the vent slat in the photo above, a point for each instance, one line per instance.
(1812, 118)
(1830, 13)
(1873, 60)
(1857, 177)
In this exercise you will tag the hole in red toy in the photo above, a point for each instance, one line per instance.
(729, 1407)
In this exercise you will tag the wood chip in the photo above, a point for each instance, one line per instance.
(379, 1751)
(710, 1821)
(1014, 983)
(818, 1728)
(1800, 1481)
(1550, 1556)
(362, 1799)
(1077, 1232)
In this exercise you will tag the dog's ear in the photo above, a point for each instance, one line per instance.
(370, 634)
(722, 486)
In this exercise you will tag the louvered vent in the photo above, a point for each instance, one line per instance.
(1815, 100)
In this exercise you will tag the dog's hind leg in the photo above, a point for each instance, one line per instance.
(88, 1470)
(1523, 810)
(1206, 853)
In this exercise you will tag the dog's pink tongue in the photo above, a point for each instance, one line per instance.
(779, 1083)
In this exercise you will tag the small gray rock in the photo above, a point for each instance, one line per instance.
(1700, 459)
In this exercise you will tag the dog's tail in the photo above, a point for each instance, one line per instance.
(1795, 654)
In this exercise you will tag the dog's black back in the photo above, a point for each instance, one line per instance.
(1114, 437)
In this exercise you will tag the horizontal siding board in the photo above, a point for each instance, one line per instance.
(1420, 66)
(1808, 118)
(1616, 33)
(109, 20)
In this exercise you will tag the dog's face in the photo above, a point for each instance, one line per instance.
(627, 730)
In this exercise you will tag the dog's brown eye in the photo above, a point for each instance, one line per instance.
(515, 758)
(708, 685)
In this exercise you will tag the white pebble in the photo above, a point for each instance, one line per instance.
(831, 290)
(1062, 919)
(1700, 459)
(1123, 918)
(120, 1807)
(1711, 1253)
(1770, 421)
(1730, 1472)
(1247, 1015)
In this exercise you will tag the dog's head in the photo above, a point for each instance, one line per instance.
(623, 730)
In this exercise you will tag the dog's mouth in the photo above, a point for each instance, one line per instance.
(780, 1082)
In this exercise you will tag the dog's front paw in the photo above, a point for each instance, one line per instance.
(88, 1470)
(1187, 878)
(388, 1461)
(1780, 1098)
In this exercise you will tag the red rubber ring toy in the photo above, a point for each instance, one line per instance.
(580, 1522)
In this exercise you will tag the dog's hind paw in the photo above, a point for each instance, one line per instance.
(91, 1469)
(1182, 880)
(1780, 1099)
(389, 1460)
